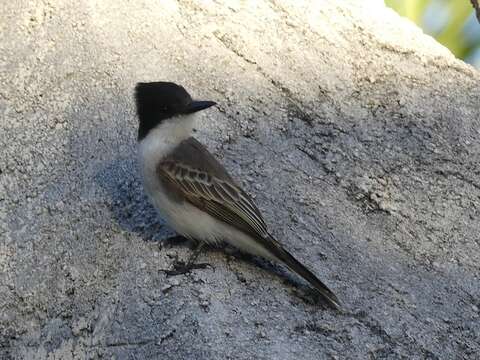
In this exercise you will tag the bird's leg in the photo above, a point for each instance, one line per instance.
(197, 249)
(180, 267)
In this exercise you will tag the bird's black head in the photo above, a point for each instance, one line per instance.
(157, 101)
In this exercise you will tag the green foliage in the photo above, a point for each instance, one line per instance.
(452, 31)
(412, 9)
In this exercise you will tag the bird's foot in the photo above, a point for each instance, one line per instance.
(181, 267)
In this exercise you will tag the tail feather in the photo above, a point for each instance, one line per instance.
(297, 267)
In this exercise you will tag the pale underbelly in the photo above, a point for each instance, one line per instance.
(189, 221)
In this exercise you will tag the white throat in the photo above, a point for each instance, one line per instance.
(164, 138)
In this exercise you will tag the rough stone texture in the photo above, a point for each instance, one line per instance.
(358, 135)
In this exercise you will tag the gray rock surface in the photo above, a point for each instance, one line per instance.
(358, 135)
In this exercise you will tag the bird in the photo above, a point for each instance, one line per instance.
(192, 190)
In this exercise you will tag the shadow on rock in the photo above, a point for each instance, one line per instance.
(128, 203)
(134, 213)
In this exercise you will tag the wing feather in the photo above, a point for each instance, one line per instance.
(218, 197)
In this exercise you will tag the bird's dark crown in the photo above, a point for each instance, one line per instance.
(157, 101)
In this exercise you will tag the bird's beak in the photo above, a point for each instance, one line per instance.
(195, 106)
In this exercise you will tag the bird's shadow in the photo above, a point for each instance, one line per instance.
(304, 292)
(129, 206)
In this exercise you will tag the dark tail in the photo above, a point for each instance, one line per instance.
(293, 264)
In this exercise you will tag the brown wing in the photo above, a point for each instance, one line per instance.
(219, 198)
(193, 154)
